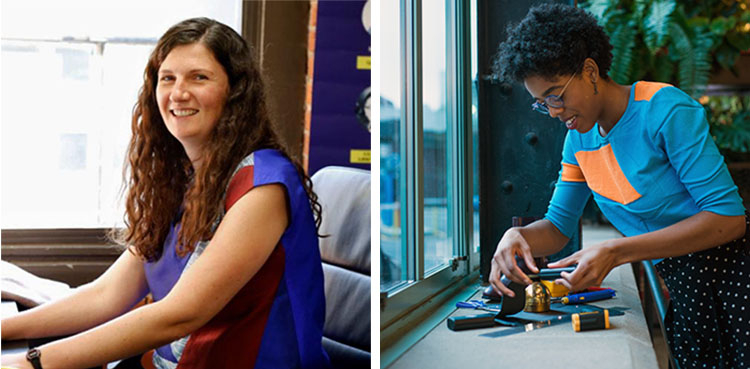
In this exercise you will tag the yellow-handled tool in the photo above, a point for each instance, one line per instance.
(590, 320)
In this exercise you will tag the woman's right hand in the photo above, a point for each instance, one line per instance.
(504, 261)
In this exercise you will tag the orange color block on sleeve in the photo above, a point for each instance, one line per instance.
(572, 173)
(644, 91)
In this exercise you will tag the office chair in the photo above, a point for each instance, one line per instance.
(344, 194)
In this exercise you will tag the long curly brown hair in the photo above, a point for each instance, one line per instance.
(161, 177)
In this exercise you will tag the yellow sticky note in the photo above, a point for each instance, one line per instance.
(359, 156)
(363, 62)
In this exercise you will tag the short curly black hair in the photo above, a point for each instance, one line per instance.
(552, 40)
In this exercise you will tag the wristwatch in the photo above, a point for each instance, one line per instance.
(34, 357)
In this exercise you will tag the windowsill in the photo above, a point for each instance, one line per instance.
(94, 236)
(67, 256)
(401, 336)
(431, 344)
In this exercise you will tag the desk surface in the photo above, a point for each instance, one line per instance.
(626, 344)
(12, 347)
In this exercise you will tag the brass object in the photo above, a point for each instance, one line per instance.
(537, 298)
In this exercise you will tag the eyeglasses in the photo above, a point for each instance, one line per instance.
(554, 101)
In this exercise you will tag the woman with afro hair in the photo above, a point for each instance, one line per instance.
(221, 230)
(645, 154)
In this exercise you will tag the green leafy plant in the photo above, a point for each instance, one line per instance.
(667, 41)
(729, 121)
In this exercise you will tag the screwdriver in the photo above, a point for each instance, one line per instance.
(584, 297)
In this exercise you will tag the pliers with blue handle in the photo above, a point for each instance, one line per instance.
(478, 304)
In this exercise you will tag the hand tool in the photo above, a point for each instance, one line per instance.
(584, 297)
(554, 320)
(590, 320)
(550, 274)
(559, 319)
(478, 304)
(459, 323)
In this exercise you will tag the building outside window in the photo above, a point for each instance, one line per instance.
(70, 78)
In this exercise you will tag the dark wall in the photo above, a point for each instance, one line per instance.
(520, 149)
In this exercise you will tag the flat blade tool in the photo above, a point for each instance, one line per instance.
(554, 320)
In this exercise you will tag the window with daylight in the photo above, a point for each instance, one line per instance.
(70, 77)
(429, 231)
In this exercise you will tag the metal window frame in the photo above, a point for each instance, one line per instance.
(400, 304)
(464, 97)
(412, 169)
(463, 140)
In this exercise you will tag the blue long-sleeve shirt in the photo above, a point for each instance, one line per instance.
(657, 166)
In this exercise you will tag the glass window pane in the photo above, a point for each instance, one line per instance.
(392, 246)
(78, 133)
(438, 248)
(51, 126)
(95, 19)
(70, 77)
(123, 66)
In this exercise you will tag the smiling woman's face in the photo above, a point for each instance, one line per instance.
(576, 112)
(191, 93)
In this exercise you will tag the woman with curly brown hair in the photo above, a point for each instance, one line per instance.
(221, 229)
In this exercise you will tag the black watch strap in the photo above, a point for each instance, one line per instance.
(34, 356)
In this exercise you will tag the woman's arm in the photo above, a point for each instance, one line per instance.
(698, 232)
(536, 239)
(110, 295)
(243, 242)
(544, 238)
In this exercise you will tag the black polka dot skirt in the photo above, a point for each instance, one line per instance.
(708, 320)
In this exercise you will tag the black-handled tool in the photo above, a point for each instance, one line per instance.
(550, 273)
(590, 320)
(460, 323)
(595, 319)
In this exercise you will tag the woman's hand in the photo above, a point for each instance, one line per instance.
(594, 263)
(504, 261)
(15, 361)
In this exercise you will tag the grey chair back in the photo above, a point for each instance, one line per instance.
(344, 194)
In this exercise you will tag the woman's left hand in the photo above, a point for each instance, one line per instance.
(15, 361)
(594, 263)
